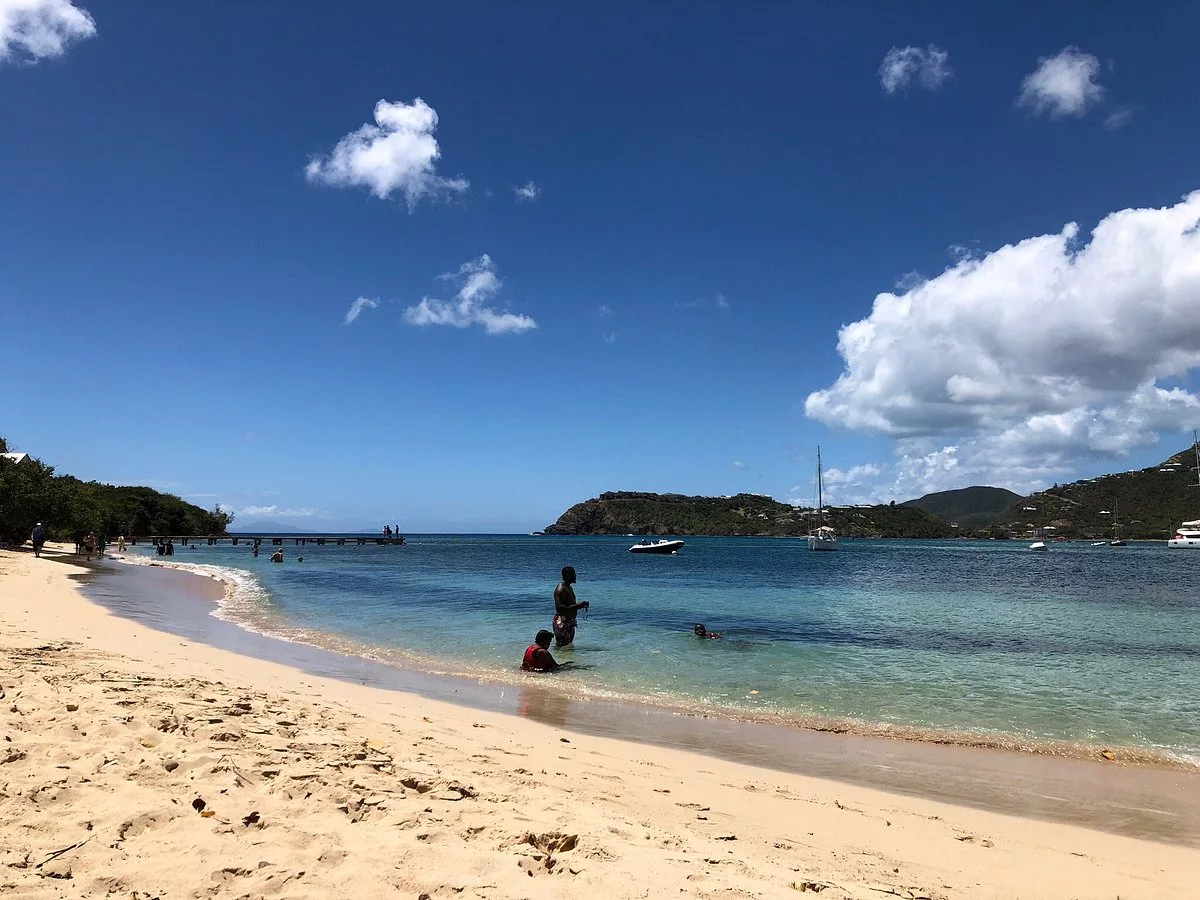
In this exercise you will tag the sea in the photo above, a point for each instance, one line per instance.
(1076, 651)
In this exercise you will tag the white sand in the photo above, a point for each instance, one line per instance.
(319, 788)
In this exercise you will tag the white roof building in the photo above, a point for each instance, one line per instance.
(15, 457)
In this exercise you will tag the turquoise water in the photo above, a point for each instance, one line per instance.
(955, 640)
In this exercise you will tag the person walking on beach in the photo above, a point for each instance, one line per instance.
(89, 545)
(566, 609)
(121, 543)
(537, 655)
(39, 538)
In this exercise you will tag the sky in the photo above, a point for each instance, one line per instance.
(457, 267)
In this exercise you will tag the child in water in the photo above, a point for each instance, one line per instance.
(701, 632)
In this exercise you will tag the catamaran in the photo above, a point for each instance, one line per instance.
(822, 537)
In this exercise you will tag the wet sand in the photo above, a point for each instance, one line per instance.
(312, 784)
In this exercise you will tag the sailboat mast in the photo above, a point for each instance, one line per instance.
(820, 492)
(1196, 450)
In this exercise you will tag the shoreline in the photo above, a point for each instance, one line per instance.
(1005, 742)
(115, 734)
(1072, 788)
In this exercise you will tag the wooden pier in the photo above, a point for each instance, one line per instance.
(276, 540)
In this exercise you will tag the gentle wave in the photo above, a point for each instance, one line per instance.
(247, 604)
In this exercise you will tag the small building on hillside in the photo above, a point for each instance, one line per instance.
(16, 457)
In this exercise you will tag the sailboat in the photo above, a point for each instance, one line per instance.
(823, 537)
(1117, 541)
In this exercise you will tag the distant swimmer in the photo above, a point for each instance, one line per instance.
(277, 556)
(701, 632)
(537, 655)
(566, 609)
(255, 550)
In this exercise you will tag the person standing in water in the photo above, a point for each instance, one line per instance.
(566, 609)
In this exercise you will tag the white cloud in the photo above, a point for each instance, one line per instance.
(1062, 85)
(396, 154)
(722, 303)
(604, 310)
(274, 510)
(31, 30)
(1119, 118)
(358, 306)
(479, 285)
(738, 464)
(1014, 367)
(609, 337)
(929, 65)
(854, 485)
(528, 192)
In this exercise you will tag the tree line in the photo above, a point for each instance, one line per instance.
(30, 492)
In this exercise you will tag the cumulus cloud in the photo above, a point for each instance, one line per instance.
(1062, 85)
(528, 192)
(478, 284)
(31, 30)
(930, 66)
(1015, 366)
(273, 510)
(857, 484)
(398, 154)
(358, 306)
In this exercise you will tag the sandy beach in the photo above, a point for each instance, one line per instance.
(139, 764)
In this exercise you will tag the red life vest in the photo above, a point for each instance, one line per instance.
(531, 663)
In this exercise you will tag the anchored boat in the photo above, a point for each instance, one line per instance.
(661, 546)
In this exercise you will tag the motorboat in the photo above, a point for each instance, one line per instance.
(822, 537)
(1038, 545)
(659, 546)
(1186, 535)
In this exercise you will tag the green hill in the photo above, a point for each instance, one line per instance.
(1151, 503)
(30, 492)
(972, 507)
(626, 512)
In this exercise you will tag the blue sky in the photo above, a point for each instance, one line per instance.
(618, 248)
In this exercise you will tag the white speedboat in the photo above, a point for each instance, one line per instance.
(1186, 535)
(822, 537)
(1038, 545)
(661, 546)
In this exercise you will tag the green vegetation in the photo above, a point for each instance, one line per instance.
(30, 492)
(625, 512)
(973, 507)
(1151, 502)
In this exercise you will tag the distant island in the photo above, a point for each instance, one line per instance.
(1150, 504)
(628, 512)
